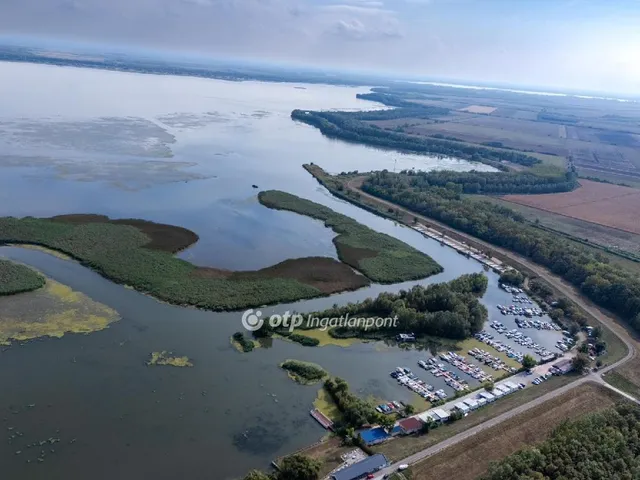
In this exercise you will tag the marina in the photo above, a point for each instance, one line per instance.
(461, 247)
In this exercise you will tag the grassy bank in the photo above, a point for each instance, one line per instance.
(140, 254)
(15, 278)
(304, 373)
(380, 257)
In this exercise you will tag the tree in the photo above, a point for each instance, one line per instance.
(456, 415)
(387, 422)
(257, 475)
(528, 362)
(488, 386)
(580, 362)
(409, 409)
(299, 467)
(512, 277)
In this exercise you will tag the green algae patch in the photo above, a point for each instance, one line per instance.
(165, 358)
(52, 311)
(325, 404)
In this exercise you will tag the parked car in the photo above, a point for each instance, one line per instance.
(402, 467)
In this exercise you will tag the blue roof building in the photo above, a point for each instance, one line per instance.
(361, 469)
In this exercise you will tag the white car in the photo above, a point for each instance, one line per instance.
(402, 467)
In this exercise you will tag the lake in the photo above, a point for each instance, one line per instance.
(184, 151)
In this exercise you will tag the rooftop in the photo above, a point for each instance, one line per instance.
(411, 423)
(357, 470)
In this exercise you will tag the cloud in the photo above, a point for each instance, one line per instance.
(526, 41)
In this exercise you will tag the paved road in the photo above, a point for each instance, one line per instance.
(559, 284)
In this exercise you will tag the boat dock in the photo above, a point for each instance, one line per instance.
(461, 247)
(322, 419)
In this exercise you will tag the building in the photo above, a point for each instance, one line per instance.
(439, 415)
(361, 469)
(503, 388)
(497, 393)
(462, 407)
(471, 403)
(488, 397)
(563, 366)
(512, 386)
(410, 425)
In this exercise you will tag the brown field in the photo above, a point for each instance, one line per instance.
(169, 238)
(471, 458)
(325, 274)
(597, 235)
(610, 205)
(479, 109)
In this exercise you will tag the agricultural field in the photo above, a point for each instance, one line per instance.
(597, 235)
(600, 203)
(602, 137)
(479, 109)
(471, 458)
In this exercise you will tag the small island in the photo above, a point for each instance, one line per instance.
(304, 373)
(242, 343)
(141, 254)
(166, 358)
(16, 278)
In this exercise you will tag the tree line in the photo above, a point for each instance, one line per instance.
(601, 445)
(499, 183)
(449, 310)
(347, 126)
(610, 286)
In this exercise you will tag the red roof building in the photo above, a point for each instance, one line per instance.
(410, 425)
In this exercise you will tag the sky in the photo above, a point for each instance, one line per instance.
(591, 45)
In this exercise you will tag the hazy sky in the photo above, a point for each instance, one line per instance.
(582, 44)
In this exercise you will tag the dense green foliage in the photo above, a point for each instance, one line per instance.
(118, 252)
(348, 127)
(245, 344)
(450, 310)
(304, 372)
(512, 277)
(15, 278)
(293, 467)
(528, 362)
(380, 257)
(498, 183)
(603, 445)
(355, 411)
(609, 286)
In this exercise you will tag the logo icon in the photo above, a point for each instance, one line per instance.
(252, 321)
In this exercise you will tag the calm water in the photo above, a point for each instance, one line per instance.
(184, 151)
